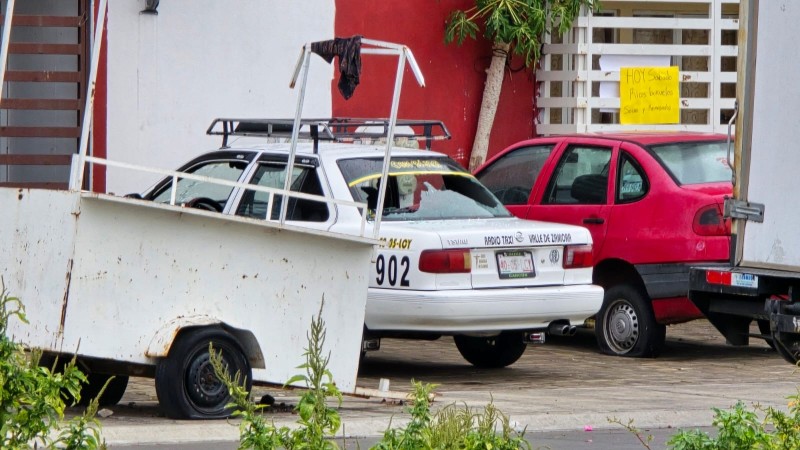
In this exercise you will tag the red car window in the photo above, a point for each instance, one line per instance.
(695, 162)
(632, 183)
(581, 177)
(511, 177)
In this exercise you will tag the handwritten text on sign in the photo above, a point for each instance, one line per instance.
(649, 95)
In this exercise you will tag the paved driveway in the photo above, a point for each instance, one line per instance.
(695, 353)
(565, 384)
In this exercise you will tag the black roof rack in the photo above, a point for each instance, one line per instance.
(341, 129)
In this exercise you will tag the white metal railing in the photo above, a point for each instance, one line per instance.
(175, 176)
(570, 98)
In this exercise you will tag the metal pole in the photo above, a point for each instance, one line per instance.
(6, 40)
(398, 83)
(77, 182)
(295, 128)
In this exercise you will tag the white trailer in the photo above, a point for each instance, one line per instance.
(763, 281)
(141, 288)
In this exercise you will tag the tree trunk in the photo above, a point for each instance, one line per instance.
(491, 97)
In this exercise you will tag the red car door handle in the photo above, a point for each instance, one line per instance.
(597, 220)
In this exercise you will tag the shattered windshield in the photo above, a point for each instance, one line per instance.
(420, 188)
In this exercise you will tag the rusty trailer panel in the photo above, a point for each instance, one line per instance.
(115, 278)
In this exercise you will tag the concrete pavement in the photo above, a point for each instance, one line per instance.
(563, 385)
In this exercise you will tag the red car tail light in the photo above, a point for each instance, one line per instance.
(445, 261)
(708, 221)
(577, 256)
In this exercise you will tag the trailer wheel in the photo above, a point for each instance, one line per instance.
(186, 385)
(491, 352)
(94, 382)
(111, 396)
(626, 324)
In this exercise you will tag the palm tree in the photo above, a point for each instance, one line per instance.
(512, 26)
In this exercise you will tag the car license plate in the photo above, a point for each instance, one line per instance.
(515, 264)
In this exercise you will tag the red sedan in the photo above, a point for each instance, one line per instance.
(654, 205)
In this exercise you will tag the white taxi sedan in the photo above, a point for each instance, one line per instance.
(452, 260)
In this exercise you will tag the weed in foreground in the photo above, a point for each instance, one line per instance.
(32, 398)
(452, 427)
(739, 428)
(318, 422)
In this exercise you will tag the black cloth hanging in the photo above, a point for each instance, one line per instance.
(349, 52)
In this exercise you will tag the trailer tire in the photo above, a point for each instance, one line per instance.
(626, 324)
(491, 352)
(186, 385)
(94, 383)
(111, 396)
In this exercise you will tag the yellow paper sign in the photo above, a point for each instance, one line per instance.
(649, 95)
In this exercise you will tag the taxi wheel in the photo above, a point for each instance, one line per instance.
(491, 352)
(626, 324)
(186, 384)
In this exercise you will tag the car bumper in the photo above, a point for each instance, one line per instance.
(480, 310)
(670, 280)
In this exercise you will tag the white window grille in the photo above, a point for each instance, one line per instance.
(698, 36)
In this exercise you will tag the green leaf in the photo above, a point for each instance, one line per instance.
(520, 23)
(295, 379)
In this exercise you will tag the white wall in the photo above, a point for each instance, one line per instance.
(170, 74)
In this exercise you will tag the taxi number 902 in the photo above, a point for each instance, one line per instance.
(387, 271)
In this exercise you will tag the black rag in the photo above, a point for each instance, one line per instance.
(349, 52)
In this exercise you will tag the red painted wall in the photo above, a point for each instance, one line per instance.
(99, 118)
(454, 75)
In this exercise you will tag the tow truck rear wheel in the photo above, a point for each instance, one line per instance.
(491, 352)
(186, 385)
(626, 324)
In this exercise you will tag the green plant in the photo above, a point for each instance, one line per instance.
(452, 427)
(254, 430)
(317, 419)
(739, 428)
(318, 422)
(644, 440)
(417, 434)
(32, 397)
(83, 432)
